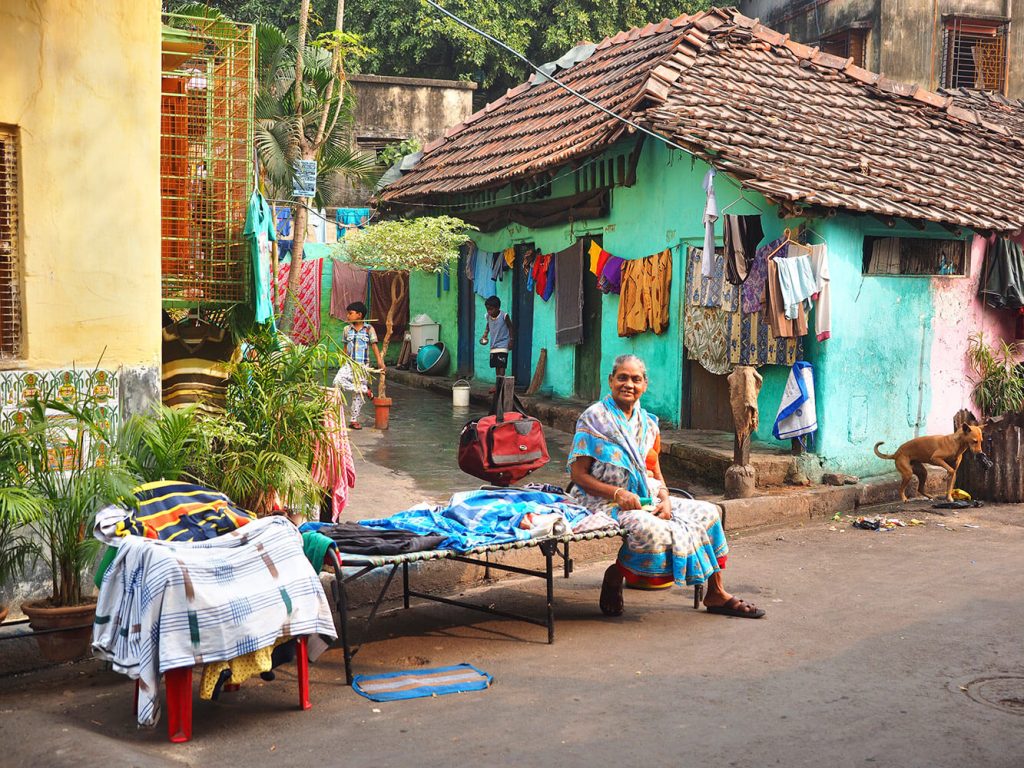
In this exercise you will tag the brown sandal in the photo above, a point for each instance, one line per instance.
(611, 592)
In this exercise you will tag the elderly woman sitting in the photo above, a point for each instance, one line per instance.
(614, 466)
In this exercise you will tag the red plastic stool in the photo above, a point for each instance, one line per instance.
(178, 683)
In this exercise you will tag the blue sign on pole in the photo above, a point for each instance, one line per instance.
(305, 178)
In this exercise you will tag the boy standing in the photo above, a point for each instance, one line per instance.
(359, 338)
(499, 331)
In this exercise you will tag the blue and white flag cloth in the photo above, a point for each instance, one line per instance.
(797, 413)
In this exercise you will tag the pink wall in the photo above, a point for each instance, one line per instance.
(956, 314)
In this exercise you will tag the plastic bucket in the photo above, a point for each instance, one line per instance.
(460, 394)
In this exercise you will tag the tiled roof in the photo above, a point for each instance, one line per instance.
(531, 128)
(993, 107)
(807, 129)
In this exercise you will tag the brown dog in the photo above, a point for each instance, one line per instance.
(944, 451)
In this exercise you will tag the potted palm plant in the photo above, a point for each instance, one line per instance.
(260, 451)
(19, 506)
(72, 472)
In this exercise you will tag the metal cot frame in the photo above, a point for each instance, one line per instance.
(550, 548)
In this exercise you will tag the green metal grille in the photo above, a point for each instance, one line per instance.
(206, 160)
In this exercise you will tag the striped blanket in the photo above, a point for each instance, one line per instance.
(164, 604)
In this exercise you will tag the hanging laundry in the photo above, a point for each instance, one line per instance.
(306, 322)
(610, 280)
(780, 325)
(796, 279)
(706, 337)
(544, 275)
(710, 217)
(483, 280)
(598, 258)
(722, 337)
(260, 230)
(741, 236)
(752, 293)
(350, 218)
(1002, 277)
(509, 254)
(333, 467)
(497, 266)
(711, 289)
(646, 293)
(195, 365)
(797, 412)
(526, 263)
(823, 295)
(348, 284)
(569, 295)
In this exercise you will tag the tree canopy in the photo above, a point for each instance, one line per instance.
(410, 38)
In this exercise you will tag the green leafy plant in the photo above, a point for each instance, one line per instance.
(427, 243)
(164, 444)
(392, 153)
(71, 469)
(999, 379)
(19, 508)
(260, 451)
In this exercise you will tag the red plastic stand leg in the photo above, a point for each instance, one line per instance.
(179, 704)
(302, 658)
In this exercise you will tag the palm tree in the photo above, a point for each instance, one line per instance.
(304, 111)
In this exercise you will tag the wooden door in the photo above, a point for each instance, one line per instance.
(708, 399)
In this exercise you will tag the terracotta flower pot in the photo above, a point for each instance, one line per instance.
(62, 646)
(382, 412)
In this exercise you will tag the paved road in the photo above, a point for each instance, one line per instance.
(870, 642)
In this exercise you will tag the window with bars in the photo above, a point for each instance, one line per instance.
(915, 256)
(974, 54)
(846, 44)
(206, 160)
(10, 247)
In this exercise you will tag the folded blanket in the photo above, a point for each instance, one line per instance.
(164, 605)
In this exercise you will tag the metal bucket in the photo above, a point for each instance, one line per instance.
(460, 394)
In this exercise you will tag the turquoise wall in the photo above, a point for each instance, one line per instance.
(872, 377)
(423, 300)
(663, 210)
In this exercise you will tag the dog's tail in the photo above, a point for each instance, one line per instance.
(883, 455)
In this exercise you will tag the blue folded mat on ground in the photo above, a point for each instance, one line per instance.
(417, 683)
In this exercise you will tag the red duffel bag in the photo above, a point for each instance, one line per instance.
(503, 447)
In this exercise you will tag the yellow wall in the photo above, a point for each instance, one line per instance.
(81, 80)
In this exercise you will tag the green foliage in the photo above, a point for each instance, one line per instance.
(428, 244)
(69, 468)
(999, 378)
(164, 444)
(327, 102)
(19, 507)
(264, 443)
(392, 153)
(412, 39)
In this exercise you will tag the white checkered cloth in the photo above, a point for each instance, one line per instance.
(166, 604)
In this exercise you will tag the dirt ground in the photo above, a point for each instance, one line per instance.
(900, 648)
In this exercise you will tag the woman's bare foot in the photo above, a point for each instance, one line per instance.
(611, 592)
